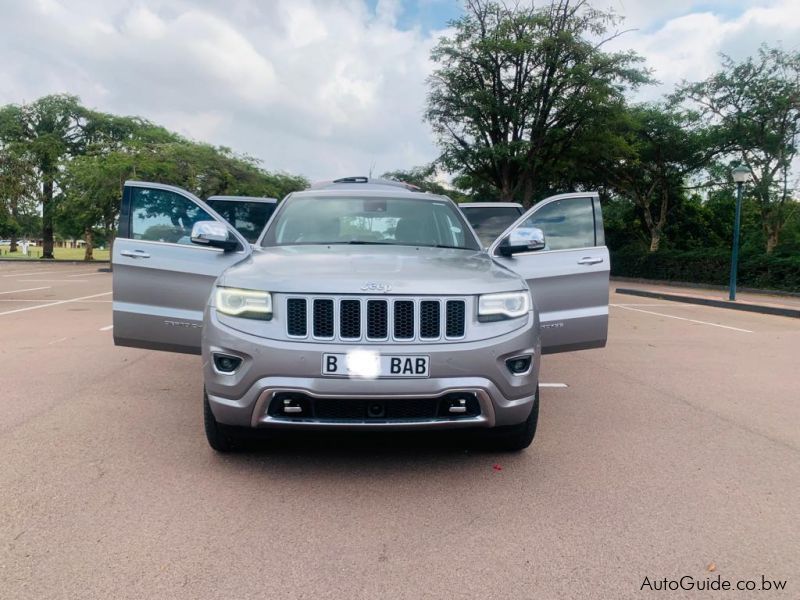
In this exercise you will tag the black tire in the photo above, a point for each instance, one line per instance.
(219, 437)
(513, 438)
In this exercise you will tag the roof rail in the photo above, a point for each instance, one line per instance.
(361, 180)
(356, 179)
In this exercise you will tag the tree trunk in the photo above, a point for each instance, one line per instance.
(88, 235)
(47, 218)
(111, 239)
(507, 192)
(773, 236)
(13, 246)
(655, 240)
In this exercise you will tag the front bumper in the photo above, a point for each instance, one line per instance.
(273, 367)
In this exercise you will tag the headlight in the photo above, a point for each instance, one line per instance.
(508, 305)
(250, 304)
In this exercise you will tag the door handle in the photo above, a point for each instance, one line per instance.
(134, 253)
(590, 260)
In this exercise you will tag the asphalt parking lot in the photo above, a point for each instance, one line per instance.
(675, 448)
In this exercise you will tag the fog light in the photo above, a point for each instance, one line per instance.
(291, 406)
(226, 364)
(519, 364)
(458, 406)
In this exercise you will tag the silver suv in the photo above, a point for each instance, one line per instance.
(363, 305)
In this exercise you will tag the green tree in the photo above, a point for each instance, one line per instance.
(52, 129)
(516, 87)
(17, 191)
(657, 149)
(756, 102)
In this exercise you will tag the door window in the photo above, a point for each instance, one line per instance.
(164, 216)
(248, 218)
(567, 223)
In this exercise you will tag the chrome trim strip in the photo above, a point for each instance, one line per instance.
(260, 418)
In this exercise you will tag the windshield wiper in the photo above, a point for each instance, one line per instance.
(450, 247)
(362, 243)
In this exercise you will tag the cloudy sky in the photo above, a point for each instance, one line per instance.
(320, 87)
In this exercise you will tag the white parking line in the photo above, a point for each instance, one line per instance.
(51, 280)
(88, 274)
(46, 287)
(19, 310)
(50, 299)
(57, 341)
(650, 312)
(639, 304)
(553, 385)
(107, 328)
(24, 274)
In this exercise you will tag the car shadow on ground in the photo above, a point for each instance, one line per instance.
(369, 452)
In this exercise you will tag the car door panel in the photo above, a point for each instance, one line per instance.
(569, 285)
(161, 286)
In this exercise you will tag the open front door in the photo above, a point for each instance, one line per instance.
(161, 280)
(568, 278)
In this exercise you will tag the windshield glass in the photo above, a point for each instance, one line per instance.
(343, 220)
(490, 221)
(248, 218)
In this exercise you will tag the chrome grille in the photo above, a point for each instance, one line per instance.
(401, 319)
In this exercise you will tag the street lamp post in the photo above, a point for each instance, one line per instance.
(741, 175)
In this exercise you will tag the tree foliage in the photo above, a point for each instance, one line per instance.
(73, 162)
(756, 104)
(517, 86)
(658, 148)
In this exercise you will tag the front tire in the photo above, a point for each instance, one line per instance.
(513, 438)
(218, 436)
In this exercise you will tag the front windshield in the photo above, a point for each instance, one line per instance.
(391, 221)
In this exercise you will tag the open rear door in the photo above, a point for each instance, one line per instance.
(161, 280)
(569, 277)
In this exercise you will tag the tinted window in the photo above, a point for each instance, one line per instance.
(164, 216)
(567, 223)
(248, 218)
(342, 220)
(489, 222)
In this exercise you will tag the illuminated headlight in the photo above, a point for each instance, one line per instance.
(250, 304)
(508, 305)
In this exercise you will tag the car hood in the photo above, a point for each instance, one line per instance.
(346, 269)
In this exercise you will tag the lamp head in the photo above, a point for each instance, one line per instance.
(741, 174)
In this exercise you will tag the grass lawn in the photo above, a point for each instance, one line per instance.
(35, 252)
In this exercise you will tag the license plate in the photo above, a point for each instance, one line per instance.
(370, 365)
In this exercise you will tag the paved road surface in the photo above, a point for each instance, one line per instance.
(675, 447)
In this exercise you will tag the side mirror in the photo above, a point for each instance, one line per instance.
(522, 239)
(212, 233)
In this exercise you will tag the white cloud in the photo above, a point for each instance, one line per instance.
(321, 87)
(688, 47)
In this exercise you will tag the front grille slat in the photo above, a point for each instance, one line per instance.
(429, 319)
(397, 318)
(404, 319)
(296, 317)
(323, 318)
(377, 319)
(455, 319)
(350, 319)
